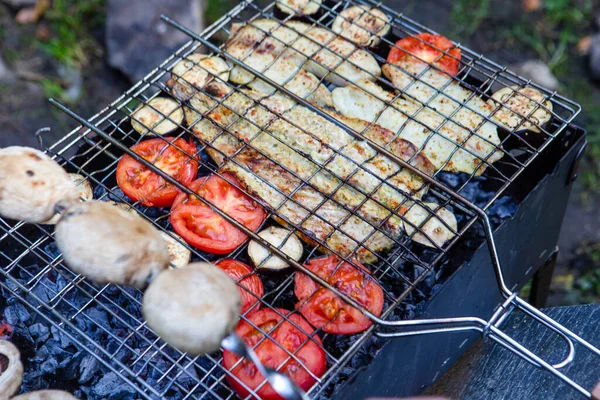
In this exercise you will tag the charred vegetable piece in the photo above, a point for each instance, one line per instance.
(263, 258)
(32, 185)
(434, 230)
(289, 335)
(159, 116)
(192, 308)
(362, 25)
(326, 310)
(517, 105)
(252, 287)
(195, 71)
(11, 369)
(109, 245)
(426, 48)
(299, 7)
(179, 255)
(85, 194)
(142, 184)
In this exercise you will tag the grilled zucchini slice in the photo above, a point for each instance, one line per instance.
(436, 231)
(362, 25)
(299, 7)
(517, 113)
(161, 116)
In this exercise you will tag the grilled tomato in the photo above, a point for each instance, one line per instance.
(142, 184)
(326, 310)
(252, 285)
(426, 47)
(206, 230)
(280, 334)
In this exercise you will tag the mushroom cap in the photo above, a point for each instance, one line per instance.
(46, 395)
(11, 369)
(192, 308)
(85, 194)
(31, 184)
(109, 245)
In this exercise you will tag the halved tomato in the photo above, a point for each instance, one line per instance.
(326, 310)
(308, 351)
(424, 48)
(243, 274)
(206, 230)
(142, 184)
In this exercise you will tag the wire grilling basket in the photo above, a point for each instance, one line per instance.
(109, 134)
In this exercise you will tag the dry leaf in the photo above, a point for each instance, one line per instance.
(32, 15)
(583, 46)
(531, 5)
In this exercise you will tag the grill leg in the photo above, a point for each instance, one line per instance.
(540, 286)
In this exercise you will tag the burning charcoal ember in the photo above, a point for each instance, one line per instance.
(11, 369)
(111, 386)
(124, 249)
(32, 185)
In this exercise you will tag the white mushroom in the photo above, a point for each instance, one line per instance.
(299, 7)
(85, 194)
(192, 308)
(32, 185)
(46, 395)
(362, 25)
(11, 369)
(160, 115)
(179, 255)
(434, 228)
(195, 71)
(107, 244)
(275, 236)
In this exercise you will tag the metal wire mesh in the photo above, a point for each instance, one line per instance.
(97, 157)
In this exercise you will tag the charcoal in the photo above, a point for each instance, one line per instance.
(112, 387)
(39, 332)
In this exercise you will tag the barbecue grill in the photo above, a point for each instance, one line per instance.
(508, 221)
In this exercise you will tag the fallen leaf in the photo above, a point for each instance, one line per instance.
(32, 15)
(583, 46)
(531, 5)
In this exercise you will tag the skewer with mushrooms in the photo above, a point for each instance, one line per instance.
(11, 369)
(32, 185)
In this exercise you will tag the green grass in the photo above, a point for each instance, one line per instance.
(216, 8)
(71, 22)
(469, 14)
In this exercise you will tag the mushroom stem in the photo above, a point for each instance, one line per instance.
(11, 369)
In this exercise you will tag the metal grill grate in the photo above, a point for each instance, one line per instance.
(133, 351)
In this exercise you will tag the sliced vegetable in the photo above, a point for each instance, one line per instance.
(192, 308)
(161, 115)
(427, 48)
(280, 334)
(326, 310)
(179, 255)
(517, 105)
(85, 194)
(141, 184)
(195, 71)
(299, 7)
(263, 258)
(362, 25)
(206, 230)
(252, 289)
(11, 369)
(434, 228)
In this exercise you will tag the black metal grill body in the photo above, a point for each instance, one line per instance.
(408, 365)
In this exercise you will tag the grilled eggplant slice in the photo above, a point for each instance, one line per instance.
(299, 7)
(179, 255)
(194, 72)
(452, 148)
(85, 194)
(159, 116)
(109, 245)
(434, 232)
(32, 185)
(11, 369)
(516, 108)
(193, 308)
(46, 395)
(262, 257)
(362, 25)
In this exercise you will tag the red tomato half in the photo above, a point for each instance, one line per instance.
(324, 309)
(287, 335)
(411, 46)
(243, 274)
(206, 230)
(141, 184)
